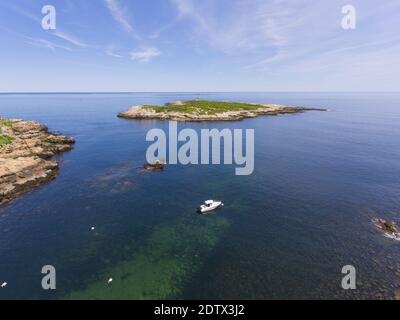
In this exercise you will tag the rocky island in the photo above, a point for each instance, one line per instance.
(25, 151)
(201, 110)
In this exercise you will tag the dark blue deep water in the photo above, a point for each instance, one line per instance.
(285, 232)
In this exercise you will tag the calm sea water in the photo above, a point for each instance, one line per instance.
(285, 232)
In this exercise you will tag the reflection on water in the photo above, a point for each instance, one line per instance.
(285, 231)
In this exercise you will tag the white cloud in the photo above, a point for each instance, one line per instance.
(119, 15)
(145, 55)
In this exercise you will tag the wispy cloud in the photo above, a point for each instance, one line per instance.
(58, 33)
(156, 34)
(312, 32)
(42, 43)
(23, 12)
(187, 8)
(144, 55)
(119, 14)
(71, 39)
(111, 51)
(245, 26)
(37, 42)
(278, 56)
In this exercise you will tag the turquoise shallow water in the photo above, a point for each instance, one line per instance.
(286, 230)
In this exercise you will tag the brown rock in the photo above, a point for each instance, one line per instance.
(24, 162)
(157, 166)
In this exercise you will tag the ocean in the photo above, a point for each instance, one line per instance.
(285, 232)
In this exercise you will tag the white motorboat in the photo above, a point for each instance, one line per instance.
(209, 205)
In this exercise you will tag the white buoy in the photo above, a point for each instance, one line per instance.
(92, 228)
(110, 280)
(3, 285)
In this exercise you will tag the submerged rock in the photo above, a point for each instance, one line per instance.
(389, 229)
(157, 166)
(24, 158)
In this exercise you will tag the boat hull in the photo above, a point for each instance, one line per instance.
(203, 209)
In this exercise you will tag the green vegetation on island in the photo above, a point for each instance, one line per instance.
(203, 107)
(203, 110)
(5, 139)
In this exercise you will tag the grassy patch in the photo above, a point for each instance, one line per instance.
(6, 122)
(4, 139)
(205, 107)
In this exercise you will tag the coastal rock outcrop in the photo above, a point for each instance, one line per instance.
(25, 151)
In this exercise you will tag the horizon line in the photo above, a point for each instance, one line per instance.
(188, 92)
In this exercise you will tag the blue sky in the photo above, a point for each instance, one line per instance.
(199, 45)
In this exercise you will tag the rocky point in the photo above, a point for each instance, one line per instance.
(26, 148)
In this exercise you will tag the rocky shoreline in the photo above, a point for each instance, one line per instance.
(142, 112)
(25, 151)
